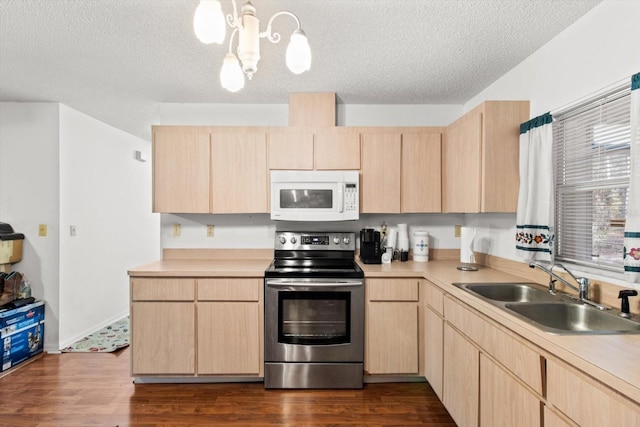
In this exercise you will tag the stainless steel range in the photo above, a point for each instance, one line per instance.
(314, 312)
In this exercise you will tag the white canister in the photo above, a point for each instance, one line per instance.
(420, 246)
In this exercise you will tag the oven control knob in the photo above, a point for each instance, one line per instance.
(346, 240)
(293, 240)
(336, 240)
(283, 239)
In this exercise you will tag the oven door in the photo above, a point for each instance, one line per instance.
(314, 320)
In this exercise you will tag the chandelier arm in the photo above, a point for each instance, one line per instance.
(233, 34)
(275, 37)
(233, 20)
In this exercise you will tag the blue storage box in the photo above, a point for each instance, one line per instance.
(21, 334)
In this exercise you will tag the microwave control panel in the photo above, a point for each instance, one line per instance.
(350, 197)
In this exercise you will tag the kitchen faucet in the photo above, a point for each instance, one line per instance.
(583, 284)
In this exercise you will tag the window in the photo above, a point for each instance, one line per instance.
(591, 170)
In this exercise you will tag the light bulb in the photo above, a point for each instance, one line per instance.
(298, 53)
(231, 76)
(208, 22)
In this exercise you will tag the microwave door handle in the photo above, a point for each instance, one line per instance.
(341, 197)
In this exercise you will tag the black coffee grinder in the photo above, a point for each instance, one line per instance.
(370, 250)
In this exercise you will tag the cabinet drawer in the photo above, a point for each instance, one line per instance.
(512, 353)
(435, 298)
(162, 289)
(585, 401)
(392, 289)
(229, 289)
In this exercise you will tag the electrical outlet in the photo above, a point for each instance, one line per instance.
(176, 230)
(210, 230)
(42, 230)
(458, 231)
(72, 230)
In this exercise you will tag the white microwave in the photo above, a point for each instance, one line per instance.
(315, 195)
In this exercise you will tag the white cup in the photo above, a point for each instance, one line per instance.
(403, 238)
(392, 234)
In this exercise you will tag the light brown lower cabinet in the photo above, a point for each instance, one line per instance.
(586, 401)
(433, 337)
(551, 419)
(224, 314)
(504, 402)
(391, 342)
(228, 338)
(162, 338)
(461, 378)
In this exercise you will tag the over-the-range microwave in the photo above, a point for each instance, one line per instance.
(315, 195)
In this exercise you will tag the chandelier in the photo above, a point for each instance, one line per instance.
(209, 26)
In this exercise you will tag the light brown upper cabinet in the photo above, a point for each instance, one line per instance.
(329, 149)
(181, 171)
(200, 170)
(480, 158)
(337, 150)
(239, 172)
(380, 173)
(420, 172)
(401, 172)
(291, 151)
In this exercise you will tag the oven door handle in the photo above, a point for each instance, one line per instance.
(336, 283)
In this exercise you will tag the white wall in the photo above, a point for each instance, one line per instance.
(258, 231)
(29, 190)
(597, 51)
(106, 194)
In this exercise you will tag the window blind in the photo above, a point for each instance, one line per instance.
(591, 172)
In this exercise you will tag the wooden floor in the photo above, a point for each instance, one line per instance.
(83, 389)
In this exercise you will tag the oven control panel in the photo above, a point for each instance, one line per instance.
(288, 240)
(314, 240)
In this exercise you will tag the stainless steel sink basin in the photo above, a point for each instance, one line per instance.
(510, 292)
(552, 313)
(574, 317)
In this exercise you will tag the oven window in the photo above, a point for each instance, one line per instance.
(306, 199)
(318, 318)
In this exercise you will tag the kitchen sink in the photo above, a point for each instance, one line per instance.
(553, 313)
(573, 317)
(510, 292)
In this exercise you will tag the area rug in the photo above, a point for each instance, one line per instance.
(108, 339)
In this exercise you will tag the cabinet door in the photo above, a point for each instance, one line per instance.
(421, 173)
(433, 349)
(229, 338)
(239, 173)
(461, 378)
(380, 176)
(337, 151)
(291, 151)
(461, 180)
(181, 172)
(162, 338)
(500, 154)
(586, 402)
(504, 402)
(392, 338)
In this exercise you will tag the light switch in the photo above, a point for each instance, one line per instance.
(72, 230)
(42, 230)
(176, 230)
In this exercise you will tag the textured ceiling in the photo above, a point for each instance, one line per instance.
(117, 59)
